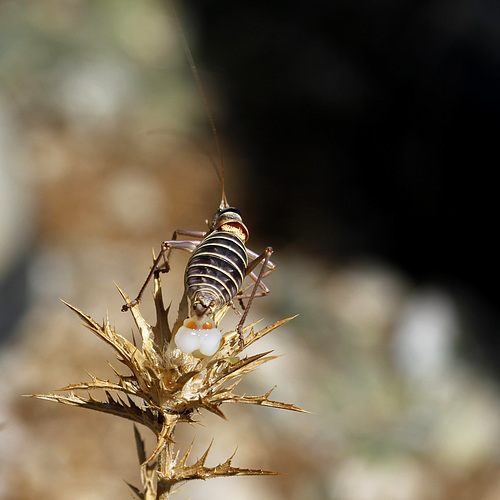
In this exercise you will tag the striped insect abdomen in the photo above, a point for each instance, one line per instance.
(217, 268)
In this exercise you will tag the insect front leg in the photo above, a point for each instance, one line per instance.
(166, 247)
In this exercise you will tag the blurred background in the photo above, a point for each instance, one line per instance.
(359, 140)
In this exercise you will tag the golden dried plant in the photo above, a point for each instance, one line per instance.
(166, 387)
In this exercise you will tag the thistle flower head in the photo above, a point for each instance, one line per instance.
(165, 386)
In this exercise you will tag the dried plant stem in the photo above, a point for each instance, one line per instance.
(165, 461)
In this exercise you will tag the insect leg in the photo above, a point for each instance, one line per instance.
(181, 232)
(265, 290)
(166, 247)
(264, 258)
(190, 233)
(256, 259)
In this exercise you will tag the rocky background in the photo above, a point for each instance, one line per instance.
(357, 140)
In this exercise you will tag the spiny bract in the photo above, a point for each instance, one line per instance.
(171, 386)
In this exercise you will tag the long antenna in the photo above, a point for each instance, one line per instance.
(194, 70)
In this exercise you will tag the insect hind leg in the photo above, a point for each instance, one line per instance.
(264, 257)
(256, 259)
(183, 232)
(166, 248)
(260, 281)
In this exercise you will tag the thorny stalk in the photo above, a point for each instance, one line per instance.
(165, 387)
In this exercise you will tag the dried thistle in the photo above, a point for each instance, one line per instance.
(165, 387)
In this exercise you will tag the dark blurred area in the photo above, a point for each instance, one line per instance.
(371, 129)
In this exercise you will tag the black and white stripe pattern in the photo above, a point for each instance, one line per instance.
(217, 268)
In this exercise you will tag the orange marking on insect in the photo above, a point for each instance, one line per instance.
(236, 229)
(192, 325)
(207, 325)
